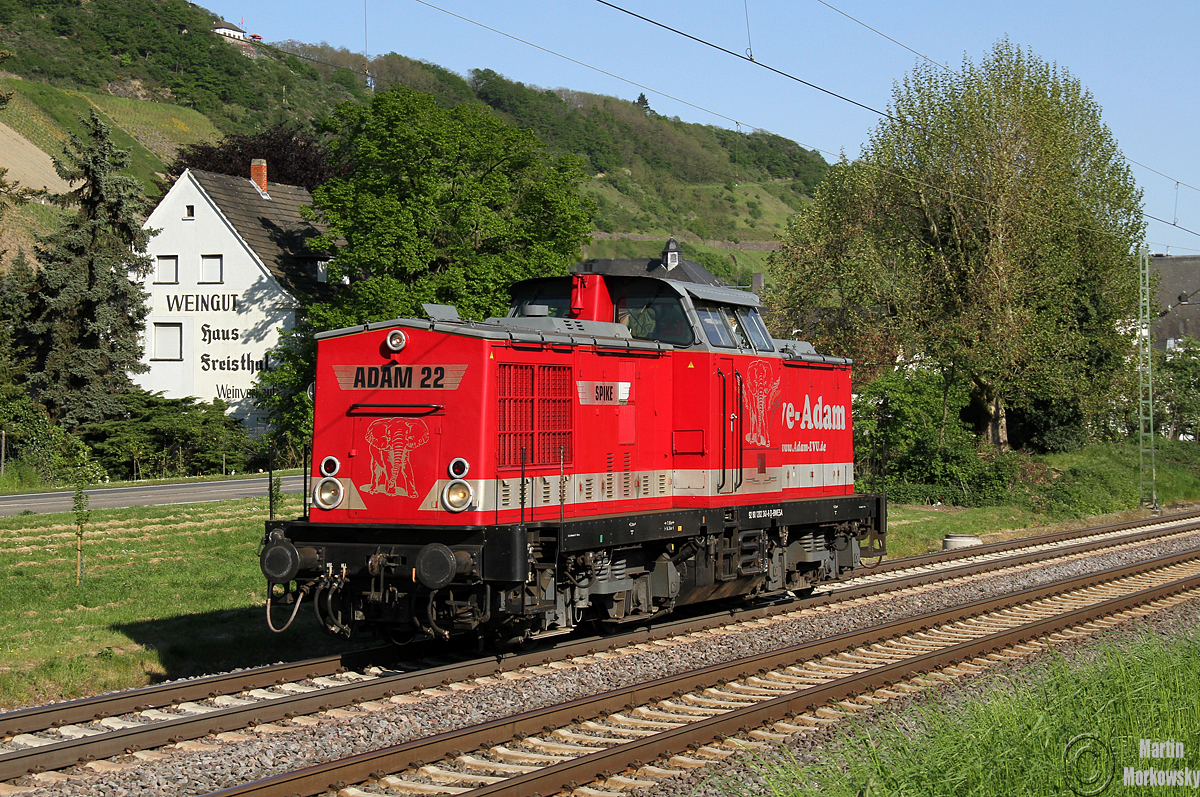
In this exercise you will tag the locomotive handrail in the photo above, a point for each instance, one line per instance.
(406, 409)
(721, 484)
(741, 428)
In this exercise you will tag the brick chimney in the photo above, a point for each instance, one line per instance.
(258, 173)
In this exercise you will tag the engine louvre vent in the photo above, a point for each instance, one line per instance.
(535, 414)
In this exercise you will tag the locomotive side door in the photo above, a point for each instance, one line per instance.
(731, 386)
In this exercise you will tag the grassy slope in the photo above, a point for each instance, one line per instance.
(1096, 484)
(167, 592)
(153, 131)
(47, 116)
(21, 224)
(160, 127)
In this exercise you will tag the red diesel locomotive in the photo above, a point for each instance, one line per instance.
(629, 439)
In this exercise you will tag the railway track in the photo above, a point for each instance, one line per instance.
(59, 736)
(687, 721)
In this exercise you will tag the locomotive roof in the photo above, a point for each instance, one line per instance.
(690, 276)
(686, 271)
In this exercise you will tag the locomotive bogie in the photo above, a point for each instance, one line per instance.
(629, 440)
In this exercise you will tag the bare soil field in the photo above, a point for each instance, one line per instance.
(26, 163)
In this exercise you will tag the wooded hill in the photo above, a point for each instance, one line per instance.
(652, 175)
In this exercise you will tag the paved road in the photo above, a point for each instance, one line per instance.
(150, 495)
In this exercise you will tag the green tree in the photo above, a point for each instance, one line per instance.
(443, 206)
(987, 231)
(1177, 389)
(91, 314)
(184, 437)
(295, 156)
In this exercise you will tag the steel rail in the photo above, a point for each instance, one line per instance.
(86, 709)
(922, 560)
(364, 766)
(59, 754)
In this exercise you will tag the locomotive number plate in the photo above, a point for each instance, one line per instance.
(399, 377)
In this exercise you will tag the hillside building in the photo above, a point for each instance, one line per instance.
(229, 31)
(229, 263)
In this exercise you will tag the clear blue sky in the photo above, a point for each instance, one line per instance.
(1139, 60)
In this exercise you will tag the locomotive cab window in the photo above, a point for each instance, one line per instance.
(653, 312)
(555, 294)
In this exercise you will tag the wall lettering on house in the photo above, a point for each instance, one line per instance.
(202, 302)
(246, 363)
(233, 393)
(208, 334)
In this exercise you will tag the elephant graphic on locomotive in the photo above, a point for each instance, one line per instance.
(628, 440)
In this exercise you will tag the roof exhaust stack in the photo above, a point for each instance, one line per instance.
(258, 173)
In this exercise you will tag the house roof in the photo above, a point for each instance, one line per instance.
(223, 25)
(272, 227)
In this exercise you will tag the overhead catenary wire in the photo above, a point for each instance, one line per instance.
(749, 43)
(746, 58)
(855, 103)
(576, 61)
(952, 71)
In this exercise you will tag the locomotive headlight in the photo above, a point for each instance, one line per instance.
(457, 495)
(328, 493)
(458, 468)
(330, 466)
(396, 340)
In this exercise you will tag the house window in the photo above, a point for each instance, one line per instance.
(167, 270)
(211, 268)
(168, 341)
(322, 271)
(189, 212)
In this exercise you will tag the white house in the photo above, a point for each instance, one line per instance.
(229, 262)
(229, 30)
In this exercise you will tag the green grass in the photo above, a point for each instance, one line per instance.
(167, 592)
(1011, 741)
(1092, 486)
(914, 530)
(22, 223)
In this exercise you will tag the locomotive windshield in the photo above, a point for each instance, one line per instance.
(753, 324)
(733, 328)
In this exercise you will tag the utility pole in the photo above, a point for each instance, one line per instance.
(1147, 487)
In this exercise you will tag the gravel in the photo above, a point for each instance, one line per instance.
(229, 763)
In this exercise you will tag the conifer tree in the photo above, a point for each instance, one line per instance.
(91, 312)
